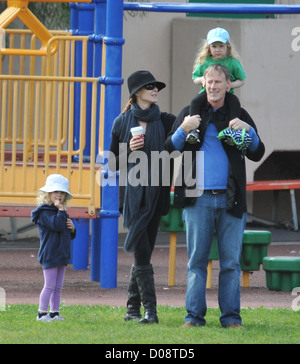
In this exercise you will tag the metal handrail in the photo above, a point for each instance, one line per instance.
(213, 8)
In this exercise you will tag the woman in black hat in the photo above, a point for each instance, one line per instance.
(142, 200)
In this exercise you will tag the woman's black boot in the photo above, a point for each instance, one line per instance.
(145, 282)
(134, 300)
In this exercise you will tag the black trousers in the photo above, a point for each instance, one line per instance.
(144, 248)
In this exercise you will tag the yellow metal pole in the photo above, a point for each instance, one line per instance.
(14, 135)
(245, 279)
(19, 8)
(172, 259)
(102, 101)
(3, 131)
(59, 126)
(209, 274)
(25, 142)
(93, 147)
(36, 134)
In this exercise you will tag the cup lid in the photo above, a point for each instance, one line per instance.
(137, 130)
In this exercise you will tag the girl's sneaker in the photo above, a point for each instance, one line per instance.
(54, 316)
(44, 318)
(57, 318)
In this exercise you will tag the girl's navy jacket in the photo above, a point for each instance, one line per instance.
(55, 237)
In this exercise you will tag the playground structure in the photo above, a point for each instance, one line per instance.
(59, 119)
(52, 122)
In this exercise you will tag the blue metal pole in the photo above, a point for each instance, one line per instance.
(95, 249)
(113, 81)
(213, 8)
(73, 17)
(85, 26)
(100, 29)
(82, 23)
(80, 245)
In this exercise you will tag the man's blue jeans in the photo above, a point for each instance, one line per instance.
(207, 216)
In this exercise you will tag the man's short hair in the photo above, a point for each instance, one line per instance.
(218, 67)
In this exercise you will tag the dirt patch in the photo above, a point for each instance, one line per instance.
(21, 277)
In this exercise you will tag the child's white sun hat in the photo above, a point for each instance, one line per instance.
(57, 182)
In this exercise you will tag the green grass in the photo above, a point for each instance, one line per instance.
(105, 325)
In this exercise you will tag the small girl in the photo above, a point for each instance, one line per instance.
(218, 49)
(56, 231)
(215, 49)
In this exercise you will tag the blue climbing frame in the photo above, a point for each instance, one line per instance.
(109, 29)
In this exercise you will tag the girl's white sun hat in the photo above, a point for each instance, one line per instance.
(57, 182)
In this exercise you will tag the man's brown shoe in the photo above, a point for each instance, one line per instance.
(235, 325)
(189, 324)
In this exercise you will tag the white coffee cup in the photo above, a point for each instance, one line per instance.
(137, 131)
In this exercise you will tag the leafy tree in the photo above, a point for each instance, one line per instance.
(52, 15)
(57, 15)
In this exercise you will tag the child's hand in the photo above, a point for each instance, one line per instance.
(58, 204)
(191, 123)
(199, 81)
(237, 124)
(70, 225)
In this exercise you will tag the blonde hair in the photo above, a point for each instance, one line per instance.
(204, 52)
(44, 198)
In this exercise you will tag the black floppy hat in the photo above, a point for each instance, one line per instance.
(139, 79)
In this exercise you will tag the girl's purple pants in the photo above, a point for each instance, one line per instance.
(54, 280)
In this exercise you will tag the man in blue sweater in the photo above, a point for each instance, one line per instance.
(220, 208)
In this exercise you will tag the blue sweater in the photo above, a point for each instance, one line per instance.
(215, 170)
(55, 237)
